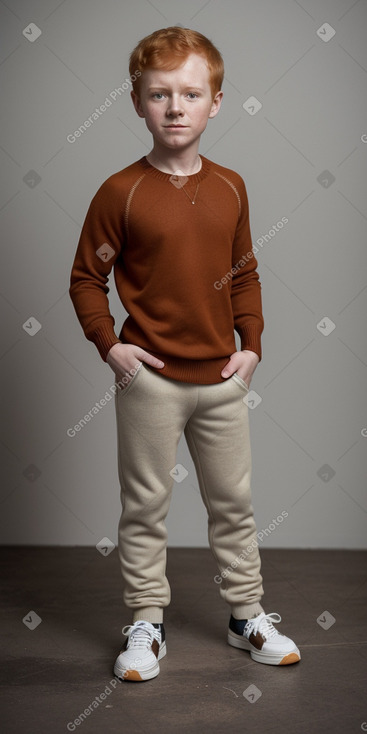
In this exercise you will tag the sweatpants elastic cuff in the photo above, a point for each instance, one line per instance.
(149, 614)
(247, 611)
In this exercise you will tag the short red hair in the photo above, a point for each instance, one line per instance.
(168, 48)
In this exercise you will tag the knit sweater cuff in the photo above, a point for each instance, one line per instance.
(104, 337)
(250, 338)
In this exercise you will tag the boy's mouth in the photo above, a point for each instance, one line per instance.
(175, 126)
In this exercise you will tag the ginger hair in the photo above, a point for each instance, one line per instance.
(168, 48)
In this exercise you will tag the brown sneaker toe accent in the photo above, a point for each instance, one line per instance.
(132, 675)
(291, 658)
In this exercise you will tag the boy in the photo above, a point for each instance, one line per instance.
(175, 227)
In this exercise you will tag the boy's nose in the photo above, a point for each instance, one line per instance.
(174, 107)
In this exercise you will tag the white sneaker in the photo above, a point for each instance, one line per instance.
(265, 643)
(144, 646)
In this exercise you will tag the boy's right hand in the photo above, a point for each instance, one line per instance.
(125, 358)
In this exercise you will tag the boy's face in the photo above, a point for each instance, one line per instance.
(177, 104)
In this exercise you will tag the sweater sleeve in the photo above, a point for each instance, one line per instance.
(246, 286)
(99, 246)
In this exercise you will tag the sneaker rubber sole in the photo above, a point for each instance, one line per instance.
(141, 673)
(264, 657)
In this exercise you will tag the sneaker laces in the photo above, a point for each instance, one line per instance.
(263, 623)
(141, 634)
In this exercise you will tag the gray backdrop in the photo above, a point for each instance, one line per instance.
(301, 147)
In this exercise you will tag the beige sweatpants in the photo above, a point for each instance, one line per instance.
(152, 412)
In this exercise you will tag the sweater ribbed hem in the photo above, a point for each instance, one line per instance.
(250, 338)
(197, 372)
(149, 614)
(104, 338)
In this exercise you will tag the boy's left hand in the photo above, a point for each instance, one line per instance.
(244, 363)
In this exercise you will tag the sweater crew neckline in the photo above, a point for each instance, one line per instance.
(194, 177)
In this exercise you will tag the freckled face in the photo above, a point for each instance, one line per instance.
(177, 104)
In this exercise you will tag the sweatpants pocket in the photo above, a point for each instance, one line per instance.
(240, 381)
(123, 390)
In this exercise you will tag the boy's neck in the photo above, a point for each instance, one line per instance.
(167, 161)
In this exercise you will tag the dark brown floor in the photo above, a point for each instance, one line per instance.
(51, 674)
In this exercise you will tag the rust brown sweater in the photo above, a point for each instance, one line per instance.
(185, 273)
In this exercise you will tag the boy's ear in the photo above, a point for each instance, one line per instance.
(137, 104)
(217, 101)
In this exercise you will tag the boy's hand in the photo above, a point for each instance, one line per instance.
(123, 359)
(244, 363)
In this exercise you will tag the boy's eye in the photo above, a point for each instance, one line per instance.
(160, 95)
